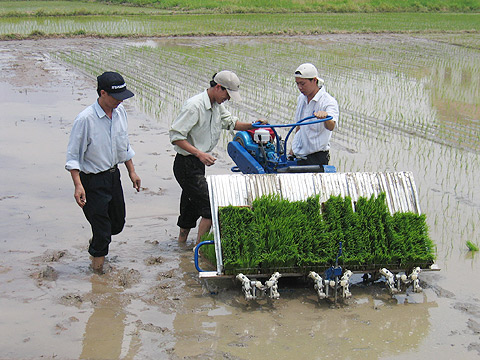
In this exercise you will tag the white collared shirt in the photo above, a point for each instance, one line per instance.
(98, 143)
(313, 138)
(200, 123)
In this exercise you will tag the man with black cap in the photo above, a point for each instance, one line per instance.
(194, 133)
(98, 143)
(311, 144)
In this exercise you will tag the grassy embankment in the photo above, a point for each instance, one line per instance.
(310, 5)
(29, 19)
(41, 8)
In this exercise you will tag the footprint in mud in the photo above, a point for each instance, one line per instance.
(64, 325)
(166, 275)
(147, 191)
(441, 292)
(153, 260)
(52, 255)
(474, 347)
(152, 242)
(47, 273)
(468, 308)
(8, 197)
(71, 300)
(474, 326)
(149, 327)
(4, 269)
(126, 277)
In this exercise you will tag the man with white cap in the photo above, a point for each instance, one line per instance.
(194, 134)
(311, 143)
(98, 143)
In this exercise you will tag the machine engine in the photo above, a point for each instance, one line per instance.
(262, 151)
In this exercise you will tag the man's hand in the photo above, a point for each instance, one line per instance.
(329, 124)
(135, 180)
(261, 121)
(79, 195)
(244, 126)
(206, 159)
(320, 114)
(133, 175)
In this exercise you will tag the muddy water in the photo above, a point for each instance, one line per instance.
(150, 304)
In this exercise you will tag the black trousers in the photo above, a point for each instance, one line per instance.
(318, 158)
(194, 201)
(105, 208)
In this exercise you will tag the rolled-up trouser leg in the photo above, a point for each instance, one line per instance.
(194, 201)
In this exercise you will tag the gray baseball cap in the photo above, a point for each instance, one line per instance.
(229, 80)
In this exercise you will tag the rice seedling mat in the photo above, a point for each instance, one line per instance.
(240, 190)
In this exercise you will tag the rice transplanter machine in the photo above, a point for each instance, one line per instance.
(261, 157)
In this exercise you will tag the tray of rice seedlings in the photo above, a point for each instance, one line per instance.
(274, 234)
(326, 226)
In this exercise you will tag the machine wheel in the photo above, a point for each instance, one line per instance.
(240, 141)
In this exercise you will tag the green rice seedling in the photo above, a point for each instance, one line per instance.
(277, 234)
(413, 231)
(335, 214)
(208, 251)
(471, 246)
(231, 24)
(232, 248)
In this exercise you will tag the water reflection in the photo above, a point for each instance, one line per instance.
(103, 337)
(300, 327)
(372, 325)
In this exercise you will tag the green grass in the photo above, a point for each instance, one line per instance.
(244, 6)
(69, 8)
(135, 7)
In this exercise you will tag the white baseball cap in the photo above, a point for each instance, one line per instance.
(230, 81)
(308, 71)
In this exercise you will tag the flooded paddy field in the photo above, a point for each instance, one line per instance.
(156, 23)
(408, 102)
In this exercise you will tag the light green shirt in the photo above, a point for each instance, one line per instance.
(201, 123)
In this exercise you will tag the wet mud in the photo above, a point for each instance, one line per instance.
(150, 303)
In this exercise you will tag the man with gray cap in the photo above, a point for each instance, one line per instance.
(194, 134)
(311, 143)
(98, 142)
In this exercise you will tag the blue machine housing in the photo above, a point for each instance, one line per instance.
(253, 158)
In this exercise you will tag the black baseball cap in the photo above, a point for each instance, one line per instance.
(114, 85)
